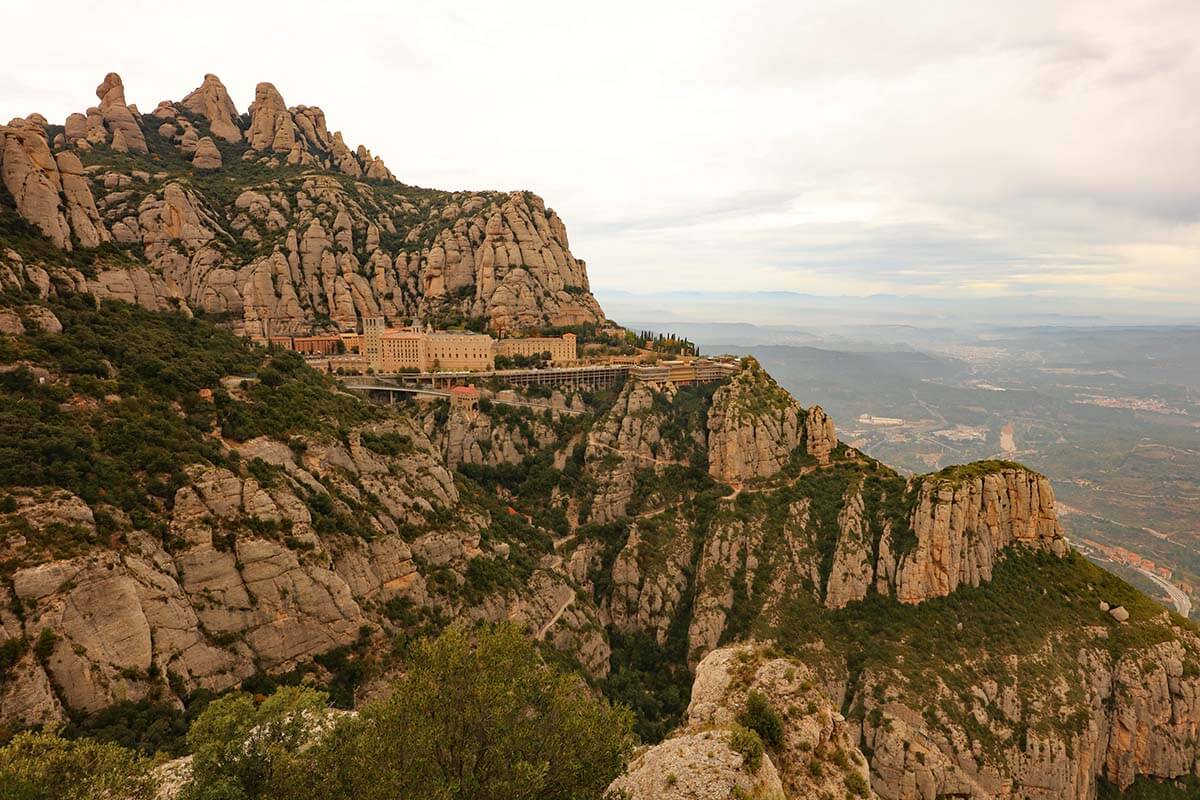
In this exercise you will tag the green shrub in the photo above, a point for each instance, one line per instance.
(760, 717)
(45, 644)
(469, 719)
(748, 743)
(227, 761)
(856, 784)
(42, 766)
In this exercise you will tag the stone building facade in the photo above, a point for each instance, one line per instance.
(562, 349)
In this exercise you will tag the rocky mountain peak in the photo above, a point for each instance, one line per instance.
(271, 125)
(211, 101)
(755, 425)
(288, 244)
(119, 119)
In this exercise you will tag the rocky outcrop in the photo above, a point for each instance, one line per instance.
(51, 191)
(119, 119)
(212, 102)
(815, 755)
(754, 427)
(701, 765)
(473, 438)
(820, 437)
(271, 126)
(207, 156)
(961, 525)
(281, 254)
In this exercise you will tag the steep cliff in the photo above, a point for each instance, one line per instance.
(271, 221)
(754, 427)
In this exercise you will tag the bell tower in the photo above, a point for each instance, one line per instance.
(372, 346)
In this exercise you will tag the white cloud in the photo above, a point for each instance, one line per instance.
(961, 148)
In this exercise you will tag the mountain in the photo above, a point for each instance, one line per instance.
(183, 511)
(272, 223)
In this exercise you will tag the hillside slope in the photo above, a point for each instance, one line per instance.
(182, 512)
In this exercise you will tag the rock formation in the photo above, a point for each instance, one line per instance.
(212, 102)
(755, 425)
(299, 245)
(118, 117)
(962, 524)
(206, 156)
(815, 757)
(703, 765)
(50, 191)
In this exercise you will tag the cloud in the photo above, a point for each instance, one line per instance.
(937, 147)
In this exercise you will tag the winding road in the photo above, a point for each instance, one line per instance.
(1183, 603)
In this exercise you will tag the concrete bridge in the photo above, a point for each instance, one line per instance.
(587, 377)
(380, 389)
(384, 389)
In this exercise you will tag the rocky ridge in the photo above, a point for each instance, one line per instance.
(273, 222)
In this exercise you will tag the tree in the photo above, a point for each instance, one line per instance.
(42, 766)
(482, 721)
(237, 743)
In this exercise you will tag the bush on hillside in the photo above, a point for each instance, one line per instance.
(41, 766)
(470, 720)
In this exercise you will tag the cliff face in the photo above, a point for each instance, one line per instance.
(961, 524)
(273, 222)
(815, 755)
(754, 426)
(245, 582)
(1130, 715)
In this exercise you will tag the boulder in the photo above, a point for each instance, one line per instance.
(207, 156)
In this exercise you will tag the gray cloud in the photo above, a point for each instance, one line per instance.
(1044, 146)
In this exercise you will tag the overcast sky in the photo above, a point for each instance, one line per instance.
(947, 149)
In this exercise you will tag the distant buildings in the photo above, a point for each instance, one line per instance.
(868, 419)
(684, 372)
(412, 349)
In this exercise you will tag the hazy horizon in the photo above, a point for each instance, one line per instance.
(800, 310)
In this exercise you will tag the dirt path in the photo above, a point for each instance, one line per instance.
(541, 634)
(664, 461)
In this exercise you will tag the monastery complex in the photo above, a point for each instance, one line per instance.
(385, 350)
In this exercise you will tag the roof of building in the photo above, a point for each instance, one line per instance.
(464, 391)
